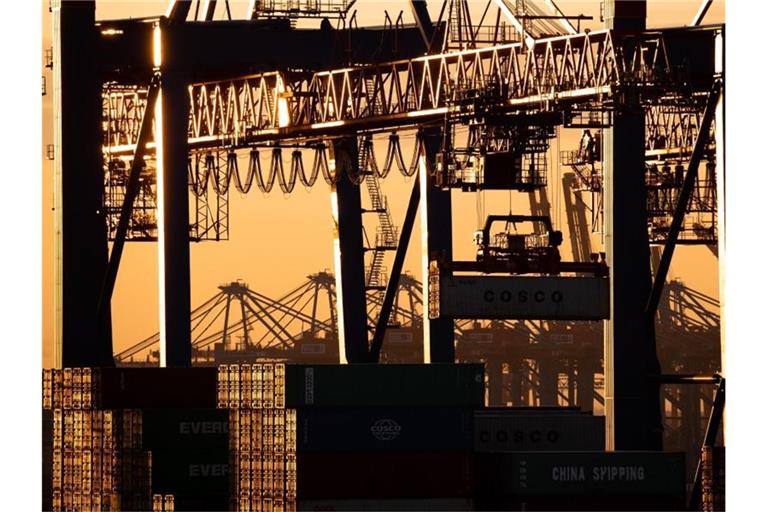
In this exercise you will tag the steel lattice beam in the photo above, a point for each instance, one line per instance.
(282, 105)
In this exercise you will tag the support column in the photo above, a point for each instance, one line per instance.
(172, 117)
(80, 233)
(548, 380)
(720, 180)
(494, 370)
(585, 383)
(436, 239)
(348, 256)
(516, 382)
(632, 402)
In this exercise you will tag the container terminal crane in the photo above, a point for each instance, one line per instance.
(166, 114)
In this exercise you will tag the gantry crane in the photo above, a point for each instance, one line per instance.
(510, 93)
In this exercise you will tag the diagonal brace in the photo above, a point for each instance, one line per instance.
(394, 276)
(682, 202)
(131, 191)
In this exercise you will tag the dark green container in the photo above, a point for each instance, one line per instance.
(385, 385)
(518, 474)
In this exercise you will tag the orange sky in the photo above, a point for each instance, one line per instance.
(275, 241)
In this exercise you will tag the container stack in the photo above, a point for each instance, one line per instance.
(385, 437)
(262, 437)
(96, 456)
(162, 503)
(713, 479)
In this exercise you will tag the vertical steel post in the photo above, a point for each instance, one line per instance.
(172, 117)
(494, 368)
(436, 240)
(632, 402)
(348, 255)
(585, 382)
(80, 233)
(548, 380)
(720, 187)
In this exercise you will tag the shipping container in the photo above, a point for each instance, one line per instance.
(199, 479)
(390, 385)
(713, 479)
(328, 505)
(123, 388)
(384, 475)
(515, 474)
(192, 428)
(384, 429)
(48, 445)
(529, 431)
(518, 297)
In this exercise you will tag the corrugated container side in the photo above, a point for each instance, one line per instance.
(713, 478)
(384, 475)
(543, 297)
(395, 385)
(514, 474)
(514, 431)
(199, 479)
(384, 429)
(123, 388)
(48, 432)
(192, 428)
(446, 504)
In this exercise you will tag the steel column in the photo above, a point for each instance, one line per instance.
(720, 191)
(494, 370)
(632, 400)
(80, 234)
(548, 380)
(585, 383)
(348, 255)
(436, 240)
(172, 116)
(633, 415)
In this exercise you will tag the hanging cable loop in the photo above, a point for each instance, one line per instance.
(264, 186)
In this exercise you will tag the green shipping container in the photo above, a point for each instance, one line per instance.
(580, 473)
(385, 385)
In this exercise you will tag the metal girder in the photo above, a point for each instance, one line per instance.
(423, 21)
(227, 49)
(700, 13)
(563, 69)
(178, 10)
(394, 276)
(682, 202)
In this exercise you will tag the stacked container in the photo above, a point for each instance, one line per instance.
(385, 437)
(162, 503)
(96, 456)
(262, 437)
(713, 479)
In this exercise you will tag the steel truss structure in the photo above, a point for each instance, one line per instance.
(284, 106)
